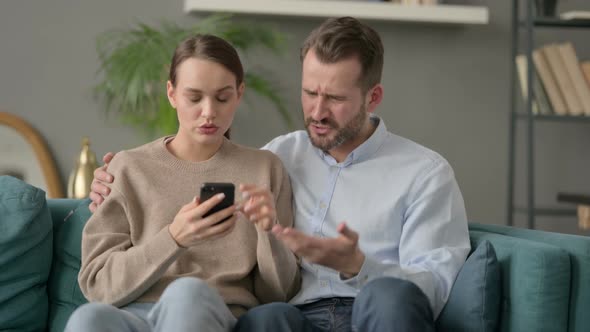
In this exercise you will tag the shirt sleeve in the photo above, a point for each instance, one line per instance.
(434, 241)
(114, 270)
(277, 276)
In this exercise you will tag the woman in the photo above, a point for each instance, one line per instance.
(151, 263)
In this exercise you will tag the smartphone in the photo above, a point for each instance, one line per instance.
(210, 189)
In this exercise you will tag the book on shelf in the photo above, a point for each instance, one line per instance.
(584, 217)
(540, 102)
(585, 65)
(549, 83)
(575, 15)
(563, 79)
(583, 202)
(572, 66)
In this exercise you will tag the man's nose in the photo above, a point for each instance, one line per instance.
(320, 108)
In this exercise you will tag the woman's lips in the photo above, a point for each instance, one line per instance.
(208, 130)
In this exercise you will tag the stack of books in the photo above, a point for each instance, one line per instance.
(583, 202)
(561, 82)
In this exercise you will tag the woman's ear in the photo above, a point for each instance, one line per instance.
(241, 89)
(171, 93)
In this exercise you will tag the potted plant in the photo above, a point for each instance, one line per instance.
(134, 68)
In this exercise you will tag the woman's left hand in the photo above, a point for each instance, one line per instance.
(258, 206)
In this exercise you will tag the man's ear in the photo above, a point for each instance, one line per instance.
(171, 93)
(374, 97)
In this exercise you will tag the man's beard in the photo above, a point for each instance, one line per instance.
(350, 131)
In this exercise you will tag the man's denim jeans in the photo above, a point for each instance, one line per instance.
(331, 314)
(385, 304)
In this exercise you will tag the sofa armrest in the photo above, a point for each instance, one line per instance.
(60, 207)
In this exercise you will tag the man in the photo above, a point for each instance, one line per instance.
(380, 224)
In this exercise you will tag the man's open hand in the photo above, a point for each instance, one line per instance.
(341, 253)
(99, 188)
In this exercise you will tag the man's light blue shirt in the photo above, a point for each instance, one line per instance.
(400, 197)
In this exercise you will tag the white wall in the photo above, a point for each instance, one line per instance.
(446, 88)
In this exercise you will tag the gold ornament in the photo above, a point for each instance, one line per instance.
(82, 175)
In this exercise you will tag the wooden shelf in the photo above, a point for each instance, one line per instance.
(544, 22)
(443, 14)
(552, 22)
(548, 211)
(576, 198)
(555, 117)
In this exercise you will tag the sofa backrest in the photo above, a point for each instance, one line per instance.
(69, 217)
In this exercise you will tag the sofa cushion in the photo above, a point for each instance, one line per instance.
(474, 302)
(25, 255)
(64, 293)
(535, 283)
(578, 248)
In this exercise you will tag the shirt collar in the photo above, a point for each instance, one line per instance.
(363, 151)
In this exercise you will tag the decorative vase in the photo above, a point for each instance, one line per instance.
(83, 173)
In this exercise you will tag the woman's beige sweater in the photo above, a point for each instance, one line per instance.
(128, 254)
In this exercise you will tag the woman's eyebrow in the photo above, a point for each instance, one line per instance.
(227, 87)
(193, 90)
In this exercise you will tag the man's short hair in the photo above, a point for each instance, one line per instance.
(341, 38)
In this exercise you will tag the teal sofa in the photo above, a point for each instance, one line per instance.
(545, 277)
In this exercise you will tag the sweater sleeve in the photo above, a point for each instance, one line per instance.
(114, 270)
(277, 276)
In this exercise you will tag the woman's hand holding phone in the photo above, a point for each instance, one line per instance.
(258, 206)
(190, 227)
